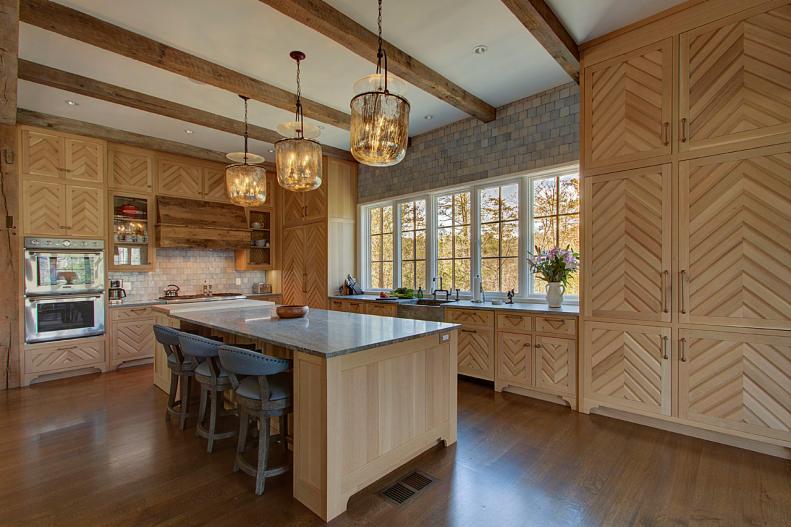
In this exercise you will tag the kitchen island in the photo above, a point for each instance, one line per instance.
(370, 392)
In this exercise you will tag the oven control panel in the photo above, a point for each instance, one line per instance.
(62, 243)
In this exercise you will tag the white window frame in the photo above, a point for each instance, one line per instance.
(525, 243)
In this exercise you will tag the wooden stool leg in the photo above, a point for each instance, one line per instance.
(202, 407)
(186, 388)
(263, 454)
(212, 421)
(174, 386)
(242, 442)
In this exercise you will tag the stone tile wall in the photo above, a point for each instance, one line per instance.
(188, 268)
(536, 132)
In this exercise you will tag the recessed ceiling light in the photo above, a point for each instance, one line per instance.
(271, 151)
(480, 49)
(428, 117)
(72, 102)
(188, 131)
(321, 127)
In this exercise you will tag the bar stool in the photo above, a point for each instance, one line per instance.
(181, 372)
(213, 382)
(264, 393)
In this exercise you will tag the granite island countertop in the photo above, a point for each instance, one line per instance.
(529, 307)
(322, 333)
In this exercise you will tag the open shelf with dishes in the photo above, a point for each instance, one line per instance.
(261, 253)
(131, 239)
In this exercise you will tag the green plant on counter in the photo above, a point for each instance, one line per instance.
(403, 292)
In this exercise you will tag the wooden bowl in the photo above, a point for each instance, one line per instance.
(291, 311)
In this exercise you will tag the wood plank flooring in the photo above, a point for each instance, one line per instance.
(96, 450)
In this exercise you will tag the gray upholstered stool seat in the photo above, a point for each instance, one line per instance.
(181, 373)
(213, 381)
(265, 392)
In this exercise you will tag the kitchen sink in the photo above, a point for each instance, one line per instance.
(424, 309)
(432, 302)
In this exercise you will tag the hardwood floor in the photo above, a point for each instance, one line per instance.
(96, 450)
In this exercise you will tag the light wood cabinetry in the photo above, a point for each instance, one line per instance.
(686, 310)
(476, 341)
(56, 359)
(132, 335)
(84, 211)
(555, 360)
(130, 169)
(179, 178)
(381, 309)
(131, 240)
(628, 104)
(49, 154)
(515, 359)
(214, 184)
(319, 238)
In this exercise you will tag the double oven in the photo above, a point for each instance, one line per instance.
(64, 289)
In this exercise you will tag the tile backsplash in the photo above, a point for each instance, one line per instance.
(188, 268)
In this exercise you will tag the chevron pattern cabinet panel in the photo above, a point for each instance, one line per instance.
(735, 239)
(629, 241)
(628, 366)
(42, 154)
(84, 160)
(84, 211)
(63, 356)
(214, 185)
(514, 359)
(476, 353)
(628, 106)
(44, 206)
(736, 381)
(132, 340)
(130, 169)
(316, 286)
(736, 80)
(555, 364)
(294, 266)
(179, 179)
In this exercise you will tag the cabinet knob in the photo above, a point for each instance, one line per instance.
(536, 346)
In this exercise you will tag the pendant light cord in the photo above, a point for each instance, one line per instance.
(381, 53)
(300, 116)
(245, 99)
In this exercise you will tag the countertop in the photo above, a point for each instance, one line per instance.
(467, 304)
(216, 305)
(157, 302)
(322, 333)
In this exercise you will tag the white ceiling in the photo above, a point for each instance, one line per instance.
(252, 38)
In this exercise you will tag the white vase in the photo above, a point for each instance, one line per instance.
(555, 292)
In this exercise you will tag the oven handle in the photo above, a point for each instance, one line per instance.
(64, 251)
(39, 298)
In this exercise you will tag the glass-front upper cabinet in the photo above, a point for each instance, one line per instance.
(131, 232)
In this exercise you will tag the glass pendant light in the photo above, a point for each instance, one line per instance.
(380, 115)
(298, 156)
(246, 182)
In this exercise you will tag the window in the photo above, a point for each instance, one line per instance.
(499, 220)
(487, 228)
(380, 247)
(454, 240)
(556, 219)
(413, 244)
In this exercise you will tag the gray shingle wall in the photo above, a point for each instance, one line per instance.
(536, 132)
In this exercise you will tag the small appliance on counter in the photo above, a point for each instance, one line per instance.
(116, 292)
(262, 288)
(171, 291)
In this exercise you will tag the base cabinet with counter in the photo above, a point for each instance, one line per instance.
(131, 335)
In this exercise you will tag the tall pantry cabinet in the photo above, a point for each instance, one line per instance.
(686, 163)
(319, 236)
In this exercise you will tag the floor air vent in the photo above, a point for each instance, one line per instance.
(407, 487)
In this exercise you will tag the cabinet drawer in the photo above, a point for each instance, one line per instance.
(336, 305)
(126, 313)
(470, 317)
(355, 307)
(514, 321)
(383, 310)
(63, 356)
(556, 325)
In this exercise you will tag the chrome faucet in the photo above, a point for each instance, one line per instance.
(440, 290)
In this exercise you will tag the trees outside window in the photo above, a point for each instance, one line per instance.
(413, 244)
(499, 237)
(380, 246)
(454, 235)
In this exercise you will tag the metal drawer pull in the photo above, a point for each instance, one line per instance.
(469, 331)
(665, 135)
(682, 291)
(683, 350)
(665, 340)
(67, 348)
(684, 130)
(664, 292)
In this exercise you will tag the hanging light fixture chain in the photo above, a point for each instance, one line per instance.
(300, 115)
(245, 99)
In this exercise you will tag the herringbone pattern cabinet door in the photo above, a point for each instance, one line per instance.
(736, 381)
(84, 160)
(736, 80)
(628, 366)
(735, 239)
(628, 106)
(84, 211)
(131, 170)
(42, 154)
(132, 339)
(179, 179)
(294, 266)
(316, 285)
(515, 358)
(555, 364)
(44, 206)
(293, 208)
(476, 353)
(629, 241)
(214, 185)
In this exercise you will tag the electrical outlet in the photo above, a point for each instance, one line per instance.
(238, 281)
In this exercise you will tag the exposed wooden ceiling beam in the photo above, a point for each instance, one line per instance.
(330, 22)
(91, 30)
(545, 26)
(9, 47)
(71, 82)
(114, 135)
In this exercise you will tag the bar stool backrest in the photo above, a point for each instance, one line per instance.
(238, 361)
(169, 338)
(198, 348)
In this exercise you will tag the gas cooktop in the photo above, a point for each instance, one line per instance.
(201, 298)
